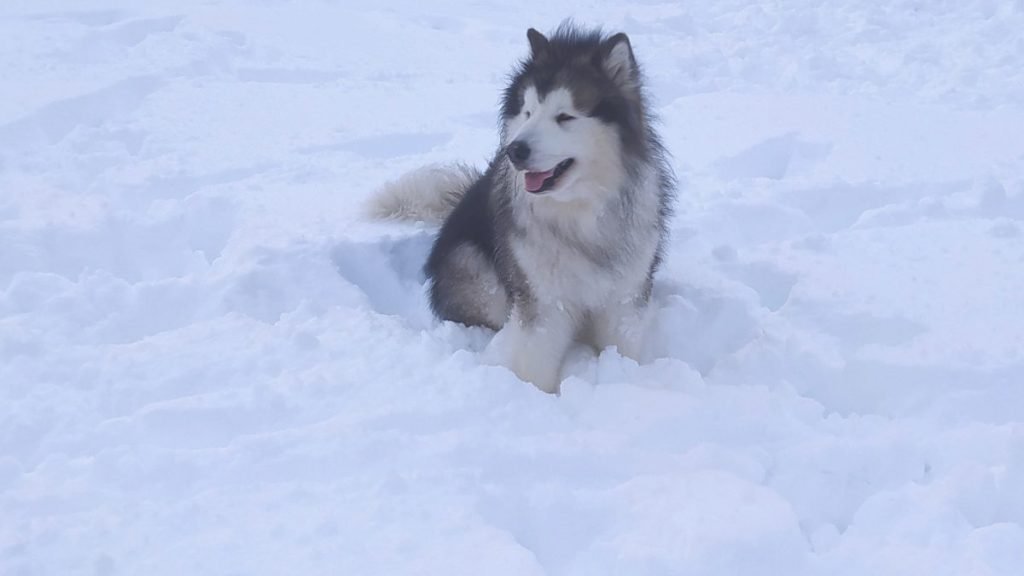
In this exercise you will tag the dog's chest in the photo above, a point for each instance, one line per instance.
(581, 269)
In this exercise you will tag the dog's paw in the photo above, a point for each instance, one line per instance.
(527, 358)
(625, 329)
(545, 380)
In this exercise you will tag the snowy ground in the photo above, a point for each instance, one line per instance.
(210, 365)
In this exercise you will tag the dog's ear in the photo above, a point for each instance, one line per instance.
(538, 43)
(618, 62)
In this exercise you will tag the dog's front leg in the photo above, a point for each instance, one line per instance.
(533, 347)
(623, 325)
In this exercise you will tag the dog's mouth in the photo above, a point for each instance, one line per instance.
(537, 182)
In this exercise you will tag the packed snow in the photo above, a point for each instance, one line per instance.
(212, 363)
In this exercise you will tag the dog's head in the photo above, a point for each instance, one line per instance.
(572, 117)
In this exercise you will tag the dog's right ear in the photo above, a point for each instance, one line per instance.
(538, 43)
(618, 61)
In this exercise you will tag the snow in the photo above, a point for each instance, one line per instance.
(211, 363)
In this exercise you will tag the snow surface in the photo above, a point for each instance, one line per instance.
(209, 364)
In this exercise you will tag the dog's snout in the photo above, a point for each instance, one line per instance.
(518, 152)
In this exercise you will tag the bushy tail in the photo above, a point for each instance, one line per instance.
(427, 194)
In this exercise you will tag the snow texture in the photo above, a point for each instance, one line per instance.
(211, 363)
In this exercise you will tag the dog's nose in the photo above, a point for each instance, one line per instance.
(518, 152)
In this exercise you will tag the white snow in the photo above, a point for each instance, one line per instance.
(211, 363)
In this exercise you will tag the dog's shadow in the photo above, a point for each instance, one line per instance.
(696, 325)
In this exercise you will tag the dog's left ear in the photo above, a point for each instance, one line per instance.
(538, 43)
(618, 62)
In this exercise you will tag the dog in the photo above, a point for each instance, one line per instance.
(558, 240)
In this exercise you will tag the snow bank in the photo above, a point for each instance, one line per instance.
(211, 364)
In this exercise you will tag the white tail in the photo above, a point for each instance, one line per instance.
(427, 194)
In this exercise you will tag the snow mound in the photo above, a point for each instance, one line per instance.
(211, 363)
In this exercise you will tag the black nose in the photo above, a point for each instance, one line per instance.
(518, 152)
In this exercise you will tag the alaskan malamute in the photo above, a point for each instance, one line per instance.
(558, 240)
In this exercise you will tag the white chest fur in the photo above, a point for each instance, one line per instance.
(581, 257)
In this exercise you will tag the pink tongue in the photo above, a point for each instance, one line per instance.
(535, 180)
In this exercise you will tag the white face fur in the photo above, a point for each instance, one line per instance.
(555, 131)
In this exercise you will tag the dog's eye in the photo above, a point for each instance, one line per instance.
(527, 114)
(562, 118)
